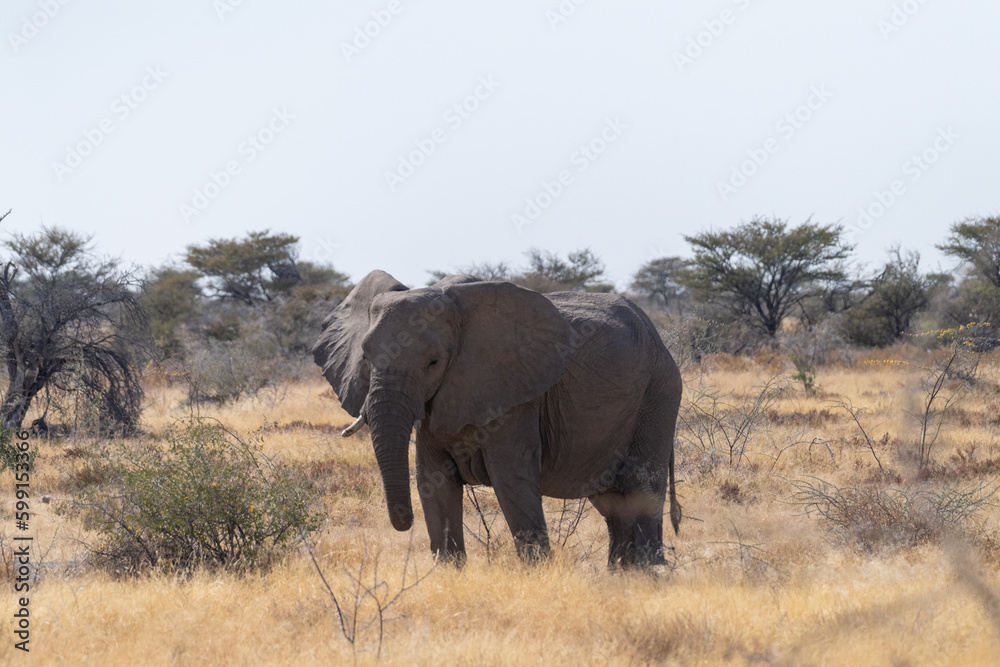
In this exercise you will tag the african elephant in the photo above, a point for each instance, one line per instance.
(567, 395)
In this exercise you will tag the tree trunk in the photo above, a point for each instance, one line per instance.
(15, 404)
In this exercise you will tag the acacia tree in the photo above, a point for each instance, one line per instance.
(977, 242)
(170, 297)
(894, 298)
(761, 269)
(662, 277)
(252, 270)
(581, 271)
(70, 321)
(486, 271)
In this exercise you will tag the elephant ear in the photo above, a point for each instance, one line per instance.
(338, 350)
(513, 346)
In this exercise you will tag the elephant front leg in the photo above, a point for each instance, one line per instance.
(515, 478)
(440, 490)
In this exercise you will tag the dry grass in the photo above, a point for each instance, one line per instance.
(753, 579)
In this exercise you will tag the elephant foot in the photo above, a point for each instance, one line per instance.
(635, 542)
(454, 559)
(533, 551)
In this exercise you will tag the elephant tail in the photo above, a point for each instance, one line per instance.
(675, 507)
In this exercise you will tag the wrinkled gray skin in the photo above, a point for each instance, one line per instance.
(568, 395)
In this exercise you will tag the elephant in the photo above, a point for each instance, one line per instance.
(566, 395)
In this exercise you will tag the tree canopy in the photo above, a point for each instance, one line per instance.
(661, 279)
(977, 242)
(170, 296)
(898, 293)
(582, 270)
(761, 269)
(251, 270)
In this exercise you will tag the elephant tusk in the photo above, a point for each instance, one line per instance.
(353, 428)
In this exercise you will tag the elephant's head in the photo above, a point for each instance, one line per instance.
(461, 352)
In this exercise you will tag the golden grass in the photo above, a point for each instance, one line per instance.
(752, 580)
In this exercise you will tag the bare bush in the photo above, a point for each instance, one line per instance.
(872, 517)
(689, 338)
(856, 414)
(755, 562)
(817, 345)
(364, 606)
(487, 510)
(718, 428)
(564, 522)
(220, 371)
(945, 382)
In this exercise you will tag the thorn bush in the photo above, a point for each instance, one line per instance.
(873, 517)
(204, 497)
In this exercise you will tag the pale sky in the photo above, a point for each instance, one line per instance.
(459, 132)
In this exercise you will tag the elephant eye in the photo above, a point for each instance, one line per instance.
(433, 363)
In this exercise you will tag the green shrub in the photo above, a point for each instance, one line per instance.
(205, 497)
(805, 374)
(10, 455)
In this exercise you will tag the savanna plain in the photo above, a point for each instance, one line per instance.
(839, 515)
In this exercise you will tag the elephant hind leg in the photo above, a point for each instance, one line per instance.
(649, 541)
(621, 542)
(635, 528)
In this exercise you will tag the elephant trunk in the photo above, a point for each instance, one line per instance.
(390, 419)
